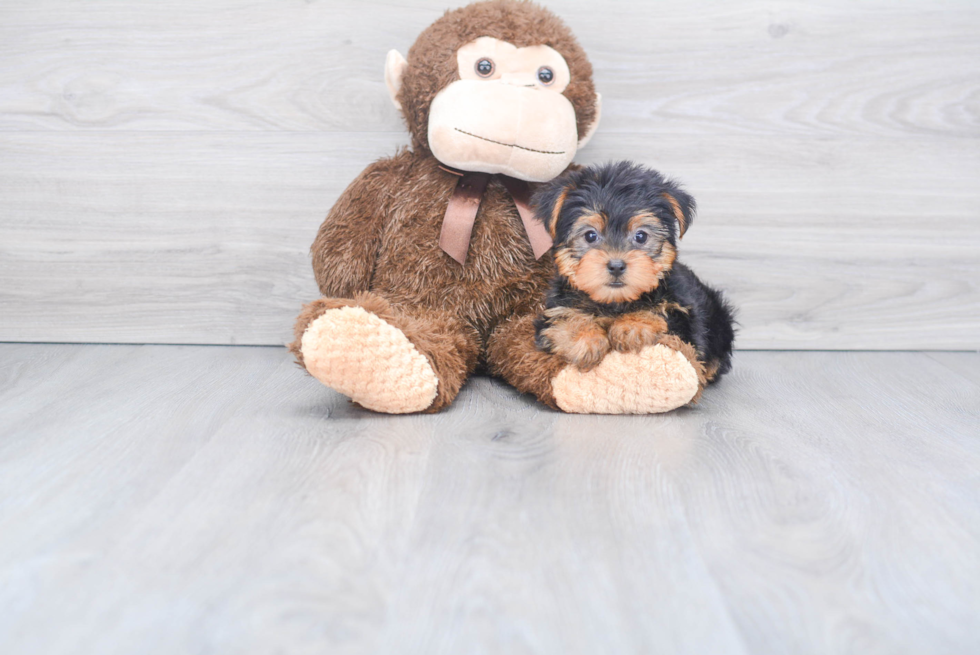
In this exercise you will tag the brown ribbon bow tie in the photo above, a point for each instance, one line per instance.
(457, 226)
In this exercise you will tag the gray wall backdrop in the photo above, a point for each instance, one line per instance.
(164, 166)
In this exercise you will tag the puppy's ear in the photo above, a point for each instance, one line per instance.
(548, 201)
(682, 205)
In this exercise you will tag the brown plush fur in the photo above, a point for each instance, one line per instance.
(397, 207)
(514, 357)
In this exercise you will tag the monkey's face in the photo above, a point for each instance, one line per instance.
(482, 93)
(506, 112)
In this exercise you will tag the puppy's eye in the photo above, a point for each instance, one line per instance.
(484, 67)
(640, 237)
(545, 75)
(591, 236)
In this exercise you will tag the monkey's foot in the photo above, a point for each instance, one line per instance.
(654, 380)
(358, 354)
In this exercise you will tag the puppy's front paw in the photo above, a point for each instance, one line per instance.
(577, 338)
(631, 332)
(587, 350)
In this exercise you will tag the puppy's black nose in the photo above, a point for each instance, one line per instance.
(616, 266)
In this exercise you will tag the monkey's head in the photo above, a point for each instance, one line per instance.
(497, 87)
(615, 228)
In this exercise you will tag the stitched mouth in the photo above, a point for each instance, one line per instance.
(510, 145)
(616, 284)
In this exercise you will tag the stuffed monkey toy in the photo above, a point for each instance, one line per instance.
(431, 263)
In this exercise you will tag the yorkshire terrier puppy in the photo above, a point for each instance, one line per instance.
(618, 285)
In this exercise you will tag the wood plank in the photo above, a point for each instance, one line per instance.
(961, 366)
(203, 237)
(784, 495)
(830, 68)
(161, 499)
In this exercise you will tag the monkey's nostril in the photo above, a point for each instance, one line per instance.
(616, 266)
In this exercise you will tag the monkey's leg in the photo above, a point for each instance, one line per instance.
(385, 358)
(658, 378)
(512, 355)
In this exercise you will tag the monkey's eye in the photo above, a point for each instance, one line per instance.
(640, 237)
(591, 236)
(546, 75)
(484, 67)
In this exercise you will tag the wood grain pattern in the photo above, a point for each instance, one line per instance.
(185, 238)
(165, 166)
(199, 499)
(814, 69)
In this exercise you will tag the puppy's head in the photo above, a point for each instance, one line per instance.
(615, 228)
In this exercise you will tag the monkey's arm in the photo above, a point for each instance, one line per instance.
(346, 245)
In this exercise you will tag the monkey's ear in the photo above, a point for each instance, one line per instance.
(595, 122)
(395, 66)
(548, 201)
(683, 207)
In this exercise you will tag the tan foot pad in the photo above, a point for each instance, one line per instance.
(358, 354)
(657, 379)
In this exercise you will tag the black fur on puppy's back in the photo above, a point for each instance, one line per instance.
(709, 324)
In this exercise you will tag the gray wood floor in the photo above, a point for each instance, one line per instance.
(172, 499)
